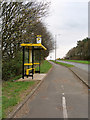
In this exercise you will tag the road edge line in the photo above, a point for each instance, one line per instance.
(76, 75)
(79, 78)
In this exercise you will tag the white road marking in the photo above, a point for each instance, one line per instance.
(63, 93)
(65, 115)
(62, 86)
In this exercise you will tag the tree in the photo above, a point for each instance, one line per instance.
(21, 22)
(81, 51)
(16, 18)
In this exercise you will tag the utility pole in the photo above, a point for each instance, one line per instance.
(55, 47)
(50, 57)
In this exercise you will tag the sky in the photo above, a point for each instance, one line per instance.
(68, 21)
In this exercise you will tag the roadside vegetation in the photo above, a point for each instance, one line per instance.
(45, 66)
(12, 90)
(78, 61)
(63, 64)
(81, 51)
(12, 94)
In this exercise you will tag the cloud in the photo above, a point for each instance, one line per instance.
(70, 19)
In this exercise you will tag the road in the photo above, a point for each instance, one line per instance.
(79, 65)
(61, 95)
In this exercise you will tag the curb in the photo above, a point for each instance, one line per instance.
(12, 114)
(80, 78)
(76, 75)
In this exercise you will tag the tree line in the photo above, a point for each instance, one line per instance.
(21, 22)
(81, 51)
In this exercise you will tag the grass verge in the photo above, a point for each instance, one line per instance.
(44, 67)
(12, 91)
(16, 78)
(78, 61)
(12, 94)
(64, 64)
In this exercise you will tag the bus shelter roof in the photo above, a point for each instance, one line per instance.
(33, 45)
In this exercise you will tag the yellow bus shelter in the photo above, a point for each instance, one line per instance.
(28, 68)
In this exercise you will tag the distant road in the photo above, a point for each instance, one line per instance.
(79, 65)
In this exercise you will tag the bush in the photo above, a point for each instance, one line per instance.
(12, 67)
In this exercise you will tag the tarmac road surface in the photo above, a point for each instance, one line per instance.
(85, 67)
(61, 95)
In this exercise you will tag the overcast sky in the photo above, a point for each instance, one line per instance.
(69, 21)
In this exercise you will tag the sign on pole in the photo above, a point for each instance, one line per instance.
(39, 39)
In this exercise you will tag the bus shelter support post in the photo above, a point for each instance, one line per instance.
(23, 62)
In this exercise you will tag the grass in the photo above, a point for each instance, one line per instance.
(78, 61)
(16, 78)
(63, 64)
(0, 107)
(11, 94)
(44, 67)
(12, 91)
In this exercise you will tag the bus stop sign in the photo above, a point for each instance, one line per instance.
(38, 39)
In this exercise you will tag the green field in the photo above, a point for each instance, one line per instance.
(78, 61)
(63, 64)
